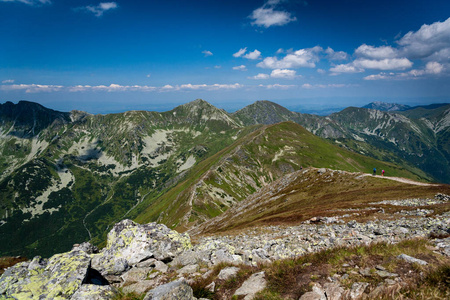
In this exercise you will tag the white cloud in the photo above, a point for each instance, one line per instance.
(283, 73)
(36, 88)
(429, 40)
(279, 86)
(32, 88)
(345, 68)
(207, 53)
(321, 71)
(372, 52)
(260, 76)
(99, 9)
(148, 75)
(217, 67)
(240, 52)
(333, 55)
(324, 86)
(29, 2)
(253, 55)
(300, 58)
(384, 64)
(240, 68)
(268, 15)
(431, 68)
(8, 81)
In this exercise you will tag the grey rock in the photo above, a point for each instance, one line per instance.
(171, 291)
(61, 277)
(317, 293)
(86, 247)
(190, 269)
(357, 290)
(136, 275)
(146, 263)
(385, 274)
(94, 292)
(411, 259)
(251, 286)
(227, 273)
(136, 243)
(141, 287)
(333, 291)
(211, 287)
(161, 267)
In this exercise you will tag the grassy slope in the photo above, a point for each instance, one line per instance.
(308, 194)
(256, 152)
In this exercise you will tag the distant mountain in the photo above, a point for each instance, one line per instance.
(383, 106)
(71, 176)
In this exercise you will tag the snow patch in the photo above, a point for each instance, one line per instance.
(187, 164)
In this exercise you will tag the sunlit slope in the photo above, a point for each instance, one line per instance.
(249, 164)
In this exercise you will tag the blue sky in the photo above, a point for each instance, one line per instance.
(114, 56)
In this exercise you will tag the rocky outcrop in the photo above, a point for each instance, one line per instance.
(83, 274)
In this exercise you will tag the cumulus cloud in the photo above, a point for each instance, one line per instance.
(36, 88)
(207, 53)
(372, 52)
(29, 2)
(240, 68)
(384, 64)
(32, 88)
(271, 15)
(345, 68)
(260, 76)
(8, 81)
(240, 52)
(277, 86)
(323, 86)
(253, 55)
(300, 58)
(431, 68)
(336, 55)
(429, 40)
(100, 9)
(283, 73)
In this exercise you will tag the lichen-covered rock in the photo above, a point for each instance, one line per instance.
(94, 292)
(173, 290)
(251, 286)
(134, 243)
(58, 278)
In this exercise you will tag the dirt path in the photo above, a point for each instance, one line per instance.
(404, 180)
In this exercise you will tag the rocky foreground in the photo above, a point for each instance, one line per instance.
(160, 263)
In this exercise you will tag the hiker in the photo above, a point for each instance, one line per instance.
(382, 172)
(374, 171)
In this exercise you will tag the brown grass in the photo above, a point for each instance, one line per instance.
(9, 261)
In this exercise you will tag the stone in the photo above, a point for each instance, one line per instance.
(365, 272)
(141, 287)
(385, 274)
(357, 290)
(211, 287)
(411, 259)
(251, 286)
(190, 269)
(59, 277)
(86, 247)
(146, 263)
(161, 267)
(171, 291)
(317, 293)
(333, 291)
(227, 273)
(94, 292)
(134, 243)
(136, 275)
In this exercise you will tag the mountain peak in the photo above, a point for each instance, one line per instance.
(264, 112)
(383, 106)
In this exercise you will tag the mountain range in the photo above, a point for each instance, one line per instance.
(71, 176)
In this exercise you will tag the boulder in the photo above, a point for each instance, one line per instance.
(251, 286)
(170, 291)
(317, 293)
(227, 273)
(134, 243)
(58, 278)
(94, 292)
(411, 259)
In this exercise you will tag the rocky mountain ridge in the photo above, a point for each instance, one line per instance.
(80, 174)
(153, 260)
